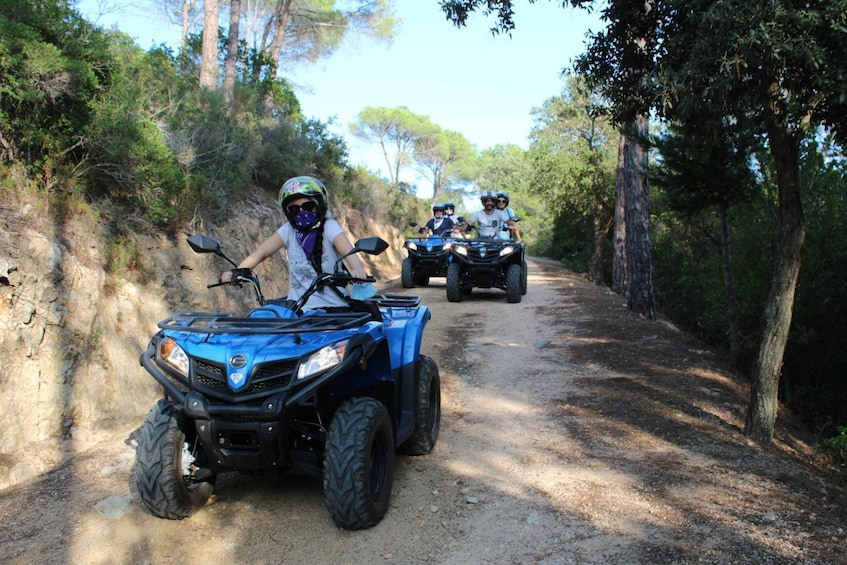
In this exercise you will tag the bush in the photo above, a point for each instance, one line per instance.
(837, 446)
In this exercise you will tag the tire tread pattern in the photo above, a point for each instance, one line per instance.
(513, 283)
(454, 282)
(360, 427)
(427, 409)
(158, 472)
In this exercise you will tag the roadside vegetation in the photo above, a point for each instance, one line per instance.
(93, 126)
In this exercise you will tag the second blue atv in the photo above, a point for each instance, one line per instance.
(280, 390)
(427, 257)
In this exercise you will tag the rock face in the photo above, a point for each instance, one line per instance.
(71, 333)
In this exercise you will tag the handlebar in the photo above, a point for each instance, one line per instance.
(239, 277)
(333, 280)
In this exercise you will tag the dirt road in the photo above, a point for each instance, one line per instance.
(572, 432)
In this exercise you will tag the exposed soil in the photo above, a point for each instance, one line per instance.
(573, 431)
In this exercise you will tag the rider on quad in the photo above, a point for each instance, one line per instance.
(314, 241)
(489, 220)
(449, 208)
(503, 204)
(439, 224)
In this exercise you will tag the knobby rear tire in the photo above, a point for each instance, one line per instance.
(524, 276)
(359, 464)
(427, 408)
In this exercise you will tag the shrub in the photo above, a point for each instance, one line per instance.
(837, 445)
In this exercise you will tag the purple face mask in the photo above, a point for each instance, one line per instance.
(305, 221)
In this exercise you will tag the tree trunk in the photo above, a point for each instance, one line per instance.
(399, 160)
(280, 21)
(602, 221)
(283, 12)
(639, 248)
(232, 53)
(764, 401)
(437, 180)
(186, 12)
(729, 285)
(209, 64)
(393, 177)
(620, 274)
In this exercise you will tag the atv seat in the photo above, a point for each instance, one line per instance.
(364, 306)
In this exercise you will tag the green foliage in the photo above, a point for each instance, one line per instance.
(573, 155)
(445, 158)
(816, 354)
(292, 149)
(314, 29)
(134, 126)
(837, 445)
(689, 283)
(52, 64)
(378, 200)
(122, 257)
(396, 130)
(704, 163)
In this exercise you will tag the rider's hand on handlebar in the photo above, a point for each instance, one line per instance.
(358, 274)
(232, 276)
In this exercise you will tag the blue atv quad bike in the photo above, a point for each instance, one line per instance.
(487, 263)
(427, 257)
(331, 394)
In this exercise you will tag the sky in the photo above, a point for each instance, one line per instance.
(465, 80)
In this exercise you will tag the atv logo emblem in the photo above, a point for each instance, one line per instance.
(482, 251)
(237, 361)
(236, 380)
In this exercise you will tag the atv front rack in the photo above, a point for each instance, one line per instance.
(205, 322)
(395, 301)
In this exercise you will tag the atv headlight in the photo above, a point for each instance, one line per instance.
(448, 246)
(507, 250)
(322, 359)
(411, 245)
(461, 250)
(173, 355)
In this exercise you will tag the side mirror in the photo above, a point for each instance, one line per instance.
(460, 219)
(370, 245)
(413, 224)
(203, 244)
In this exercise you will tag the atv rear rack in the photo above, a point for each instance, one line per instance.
(211, 323)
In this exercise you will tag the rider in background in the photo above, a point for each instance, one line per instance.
(449, 208)
(313, 239)
(503, 205)
(489, 220)
(439, 224)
